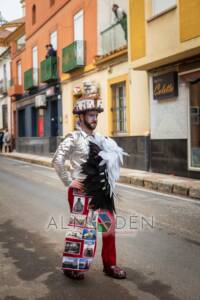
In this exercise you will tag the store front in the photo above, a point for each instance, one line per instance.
(175, 121)
(39, 122)
(192, 79)
(194, 145)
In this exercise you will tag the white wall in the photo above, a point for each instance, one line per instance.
(169, 118)
(5, 59)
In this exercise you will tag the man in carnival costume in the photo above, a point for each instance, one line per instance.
(96, 163)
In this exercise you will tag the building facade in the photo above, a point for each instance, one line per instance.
(165, 44)
(5, 105)
(107, 66)
(9, 34)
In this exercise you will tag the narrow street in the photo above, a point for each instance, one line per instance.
(161, 256)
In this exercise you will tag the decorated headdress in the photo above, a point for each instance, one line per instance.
(88, 98)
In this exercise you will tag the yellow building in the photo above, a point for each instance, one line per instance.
(109, 70)
(165, 45)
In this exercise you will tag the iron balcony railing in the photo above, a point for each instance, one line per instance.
(30, 79)
(73, 56)
(49, 69)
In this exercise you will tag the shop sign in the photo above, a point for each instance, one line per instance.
(165, 86)
(40, 101)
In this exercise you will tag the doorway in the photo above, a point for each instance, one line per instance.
(194, 147)
(54, 118)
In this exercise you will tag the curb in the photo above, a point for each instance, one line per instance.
(164, 185)
(29, 160)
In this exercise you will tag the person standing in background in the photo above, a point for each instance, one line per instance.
(121, 17)
(1, 140)
(7, 141)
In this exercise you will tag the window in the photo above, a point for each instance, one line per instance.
(33, 14)
(51, 2)
(5, 115)
(19, 73)
(78, 26)
(35, 64)
(53, 39)
(160, 5)
(119, 108)
(20, 42)
(4, 77)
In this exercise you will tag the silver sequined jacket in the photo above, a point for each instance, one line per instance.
(75, 147)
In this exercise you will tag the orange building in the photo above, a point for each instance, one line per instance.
(71, 28)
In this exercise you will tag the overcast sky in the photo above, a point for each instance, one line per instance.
(10, 9)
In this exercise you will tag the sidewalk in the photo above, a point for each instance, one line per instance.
(168, 184)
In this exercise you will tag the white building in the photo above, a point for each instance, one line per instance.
(5, 78)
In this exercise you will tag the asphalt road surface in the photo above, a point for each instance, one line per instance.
(158, 242)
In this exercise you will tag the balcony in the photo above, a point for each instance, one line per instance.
(49, 69)
(30, 79)
(14, 88)
(3, 88)
(73, 56)
(114, 37)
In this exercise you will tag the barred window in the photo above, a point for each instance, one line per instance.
(119, 108)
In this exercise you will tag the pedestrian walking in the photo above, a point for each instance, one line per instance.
(96, 163)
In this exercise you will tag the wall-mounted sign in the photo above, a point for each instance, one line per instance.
(40, 101)
(165, 86)
(50, 91)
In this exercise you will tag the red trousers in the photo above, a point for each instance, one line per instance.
(108, 238)
(108, 244)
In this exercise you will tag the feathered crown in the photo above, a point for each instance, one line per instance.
(88, 98)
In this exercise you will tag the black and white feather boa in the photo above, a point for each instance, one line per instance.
(112, 157)
(102, 170)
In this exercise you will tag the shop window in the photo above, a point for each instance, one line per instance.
(160, 5)
(119, 108)
(33, 14)
(195, 124)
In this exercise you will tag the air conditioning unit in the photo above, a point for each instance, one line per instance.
(40, 101)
